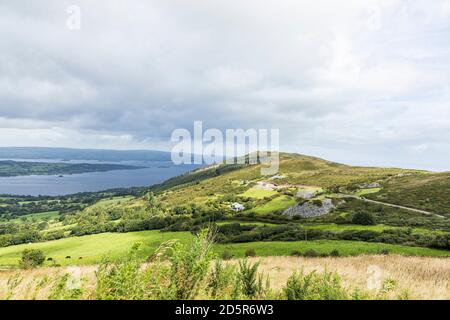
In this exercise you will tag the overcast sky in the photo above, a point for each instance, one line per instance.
(360, 82)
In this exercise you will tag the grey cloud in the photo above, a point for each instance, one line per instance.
(139, 69)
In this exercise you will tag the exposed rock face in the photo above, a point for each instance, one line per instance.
(306, 194)
(264, 185)
(370, 185)
(309, 210)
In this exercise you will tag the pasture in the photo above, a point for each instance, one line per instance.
(93, 248)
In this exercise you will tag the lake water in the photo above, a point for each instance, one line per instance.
(155, 172)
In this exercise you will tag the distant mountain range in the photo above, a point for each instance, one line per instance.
(82, 154)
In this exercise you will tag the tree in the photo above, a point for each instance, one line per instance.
(152, 206)
(32, 258)
(363, 218)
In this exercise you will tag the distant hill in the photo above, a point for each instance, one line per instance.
(295, 169)
(16, 168)
(82, 154)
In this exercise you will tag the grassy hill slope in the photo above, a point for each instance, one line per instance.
(428, 191)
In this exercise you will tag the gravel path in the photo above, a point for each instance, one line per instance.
(395, 206)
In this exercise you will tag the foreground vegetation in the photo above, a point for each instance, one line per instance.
(92, 249)
(192, 271)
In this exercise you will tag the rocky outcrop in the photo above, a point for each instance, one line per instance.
(370, 185)
(310, 209)
(306, 194)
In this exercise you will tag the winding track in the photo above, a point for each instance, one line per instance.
(395, 206)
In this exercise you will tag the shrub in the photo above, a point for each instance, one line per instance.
(335, 253)
(249, 281)
(189, 266)
(296, 253)
(363, 218)
(120, 280)
(32, 258)
(384, 251)
(220, 280)
(311, 253)
(226, 255)
(250, 252)
(314, 286)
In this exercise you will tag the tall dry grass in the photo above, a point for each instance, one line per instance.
(421, 277)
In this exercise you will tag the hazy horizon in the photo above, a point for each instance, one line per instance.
(282, 151)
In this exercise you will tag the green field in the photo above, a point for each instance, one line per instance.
(345, 248)
(246, 223)
(363, 192)
(38, 216)
(376, 228)
(91, 249)
(276, 204)
(258, 193)
(345, 227)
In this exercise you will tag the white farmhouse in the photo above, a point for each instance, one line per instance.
(237, 207)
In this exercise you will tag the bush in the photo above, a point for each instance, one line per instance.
(314, 286)
(226, 255)
(120, 280)
(250, 252)
(250, 282)
(311, 253)
(296, 253)
(384, 251)
(363, 218)
(220, 280)
(32, 258)
(335, 253)
(189, 266)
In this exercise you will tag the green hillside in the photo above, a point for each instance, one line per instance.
(428, 191)
(310, 199)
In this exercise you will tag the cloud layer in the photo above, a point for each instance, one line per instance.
(363, 82)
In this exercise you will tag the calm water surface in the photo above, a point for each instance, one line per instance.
(156, 172)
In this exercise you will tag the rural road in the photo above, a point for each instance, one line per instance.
(395, 206)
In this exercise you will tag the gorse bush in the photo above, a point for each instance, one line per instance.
(121, 280)
(314, 286)
(249, 280)
(363, 218)
(189, 265)
(32, 258)
(334, 253)
(220, 279)
(226, 255)
(250, 252)
(311, 253)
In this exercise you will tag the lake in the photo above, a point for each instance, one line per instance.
(155, 172)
